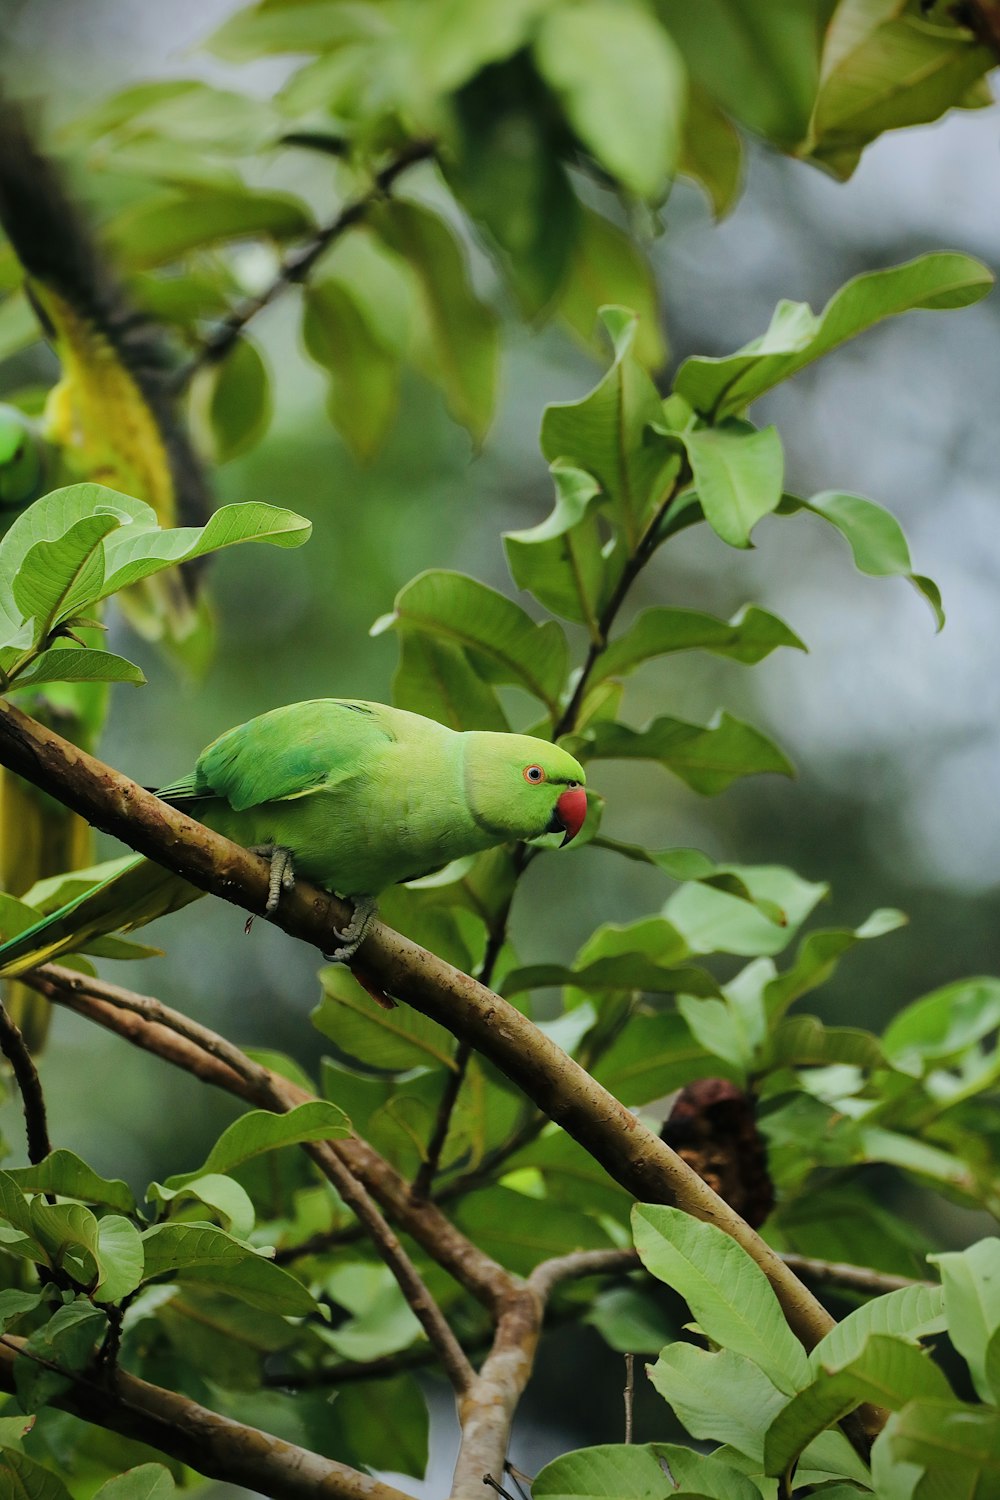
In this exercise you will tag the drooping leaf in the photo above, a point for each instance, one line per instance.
(238, 401)
(362, 368)
(720, 387)
(622, 85)
(435, 677)
(750, 636)
(561, 560)
(607, 268)
(875, 538)
(726, 1291)
(971, 1283)
(711, 152)
(389, 1040)
(66, 663)
(463, 331)
(161, 229)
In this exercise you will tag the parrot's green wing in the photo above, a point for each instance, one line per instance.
(290, 752)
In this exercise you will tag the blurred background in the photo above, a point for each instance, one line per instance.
(895, 730)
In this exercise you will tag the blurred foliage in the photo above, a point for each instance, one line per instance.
(547, 134)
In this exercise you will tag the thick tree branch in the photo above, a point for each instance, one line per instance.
(630, 1153)
(297, 265)
(212, 1444)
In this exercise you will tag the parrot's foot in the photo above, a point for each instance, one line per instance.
(282, 876)
(353, 935)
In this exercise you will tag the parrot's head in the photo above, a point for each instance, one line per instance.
(22, 465)
(522, 787)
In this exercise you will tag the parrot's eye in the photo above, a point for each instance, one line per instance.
(572, 786)
(534, 774)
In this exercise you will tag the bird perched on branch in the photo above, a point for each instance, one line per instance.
(110, 419)
(353, 796)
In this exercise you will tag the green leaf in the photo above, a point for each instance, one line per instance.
(607, 268)
(59, 576)
(435, 677)
(381, 1321)
(738, 474)
(520, 1231)
(727, 1292)
(239, 402)
(874, 536)
(629, 1320)
(722, 386)
(77, 664)
(260, 30)
(13, 1429)
(721, 1396)
(362, 369)
(939, 1028)
(759, 61)
(750, 636)
(64, 1173)
(971, 1283)
(708, 757)
(67, 1340)
(882, 69)
(653, 1055)
(610, 435)
(622, 85)
(23, 1479)
(912, 1312)
(712, 152)
(207, 1256)
(161, 229)
(223, 1195)
(389, 1040)
(503, 641)
(650, 1471)
(956, 1447)
(561, 560)
(818, 956)
(463, 332)
(146, 1482)
(120, 1258)
(388, 1424)
(14, 1304)
(715, 921)
(887, 1372)
(261, 1130)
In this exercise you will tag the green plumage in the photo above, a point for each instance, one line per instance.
(363, 796)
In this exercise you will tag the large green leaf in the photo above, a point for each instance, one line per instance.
(238, 400)
(520, 1231)
(749, 637)
(722, 386)
(716, 921)
(435, 677)
(722, 1396)
(729, 1295)
(874, 536)
(912, 1312)
(21, 1478)
(971, 1282)
(709, 757)
(939, 1028)
(818, 956)
(387, 1040)
(738, 474)
(956, 1447)
(884, 67)
(144, 1482)
(64, 1173)
(67, 1342)
(622, 85)
(164, 228)
(641, 1472)
(66, 663)
(463, 331)
(610, 435)
(207, 1256)
(120, 1258)
(261, 1130)
(363, 370)
(607, 268)
(886, 1371)
(653, 1055)
(505, 642)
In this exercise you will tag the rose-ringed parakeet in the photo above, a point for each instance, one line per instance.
(353, 796)
(109, 419)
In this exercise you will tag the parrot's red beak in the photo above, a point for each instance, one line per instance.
(571, 810)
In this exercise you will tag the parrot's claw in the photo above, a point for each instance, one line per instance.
(282, 876)
(353, 935)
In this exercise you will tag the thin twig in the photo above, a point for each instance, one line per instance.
(629, 1394)
(454, 1078)
(857, 1278)
(296, 266)
(26, 1076)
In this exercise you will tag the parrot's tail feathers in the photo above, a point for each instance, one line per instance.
(136, 895)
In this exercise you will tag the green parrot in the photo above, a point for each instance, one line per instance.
(355, 797)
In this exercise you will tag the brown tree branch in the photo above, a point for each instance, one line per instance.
(296, 266)
(212, 1444)
(13, 1047)
(631, 1154)
(857, 1278)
